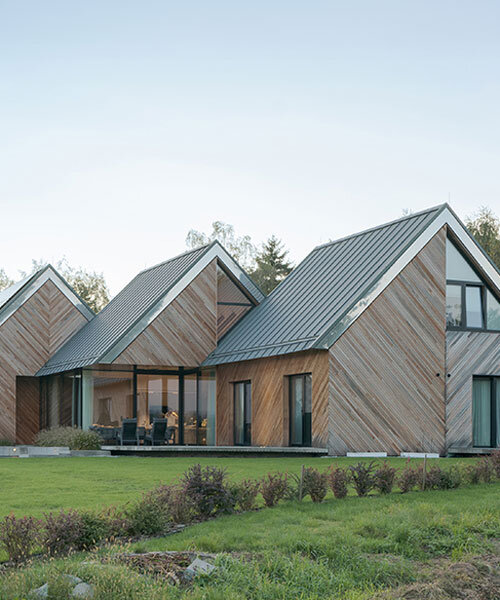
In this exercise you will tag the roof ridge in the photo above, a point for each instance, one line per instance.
(383, 225)
(164, 262)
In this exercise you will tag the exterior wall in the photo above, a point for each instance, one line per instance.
(270, 397)
(468, 353)
(185, 332)
(27, 339)
(387, 371)
(232, 303)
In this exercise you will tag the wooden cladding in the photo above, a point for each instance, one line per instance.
(387, 370)
(27, 339)
(270, 402)
(184, 333)
(28, 409)
(469, 353)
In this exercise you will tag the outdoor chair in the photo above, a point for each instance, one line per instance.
(128, 433)
(156, 436)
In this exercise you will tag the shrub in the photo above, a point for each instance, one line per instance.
(363, 477)
(384, 478)
(315, 484)
(72, 437)
(6, 443)
(338, 480)
(495, 461)
(486, 469)
(176, 505)
(472, 473)
(63, 531)
(245, 493)
(95, 528)
(116, 522)
(432, 477)
(18, 537)
(147, 516)
(408, 478)
(85, 440)
(208, 489)
(273, 488)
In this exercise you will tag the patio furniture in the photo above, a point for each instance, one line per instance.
(156, 436)
(128, 434)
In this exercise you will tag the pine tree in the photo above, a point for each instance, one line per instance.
(272, 265)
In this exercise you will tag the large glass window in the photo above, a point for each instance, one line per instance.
(206, 407)
(469, 302)
(492, 312)
(486, 411)
(454, 305)
(300, 387)
(242, 413)
(112, 397)
(474, 306)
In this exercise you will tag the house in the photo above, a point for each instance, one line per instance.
(386, 340)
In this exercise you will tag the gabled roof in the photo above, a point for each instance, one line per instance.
(335, 283)
(17, 294)
(104, 338)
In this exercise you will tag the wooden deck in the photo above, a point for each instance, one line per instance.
(237, 451)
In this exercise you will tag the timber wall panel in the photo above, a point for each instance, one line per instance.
(25, 346)
(184, 333)
(269, 377)
(385, 394)
(28, 409)
(468, 353)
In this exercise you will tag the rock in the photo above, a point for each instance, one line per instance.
(41, 592)
(83, 590)
(72, 579)
(198, 567)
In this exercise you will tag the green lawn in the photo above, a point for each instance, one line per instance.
(32, 486)
(351, 549)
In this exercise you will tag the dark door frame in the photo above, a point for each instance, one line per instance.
(494, 407)
(306, 420)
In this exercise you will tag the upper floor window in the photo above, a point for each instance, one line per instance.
(469, 303)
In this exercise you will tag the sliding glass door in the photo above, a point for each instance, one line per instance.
(486, 412)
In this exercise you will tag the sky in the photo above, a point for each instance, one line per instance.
(123, 125)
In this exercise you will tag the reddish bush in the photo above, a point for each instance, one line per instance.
(63, 531)
(208, 489)
(384, 478)
(338, 480)
(273, 488)
(495, 461)
(363, 477)
(409, 478)
(315, 484)
(18, 537)
(245, 493)
(486, 469)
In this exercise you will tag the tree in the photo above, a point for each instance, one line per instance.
(5, 281)
(485, 228)
(272, 265)
(241, 248)
(89, 285)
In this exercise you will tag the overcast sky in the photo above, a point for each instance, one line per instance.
(124, 124)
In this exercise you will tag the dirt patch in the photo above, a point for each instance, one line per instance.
(478, 578)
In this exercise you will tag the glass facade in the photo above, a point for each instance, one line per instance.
(242, 413)
(102, 397)
(486, 412)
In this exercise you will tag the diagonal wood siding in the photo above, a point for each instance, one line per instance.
(27, 339)
(184, 333)
(270, 397)
(385, 394)
(28, 409)
(468, 353)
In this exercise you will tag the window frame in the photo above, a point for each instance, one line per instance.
(484, 308)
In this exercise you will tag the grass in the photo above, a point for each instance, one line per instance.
(36, 485)
(351, 549)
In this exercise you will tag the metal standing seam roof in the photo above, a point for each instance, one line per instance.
(108, 327)
(319, 292)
